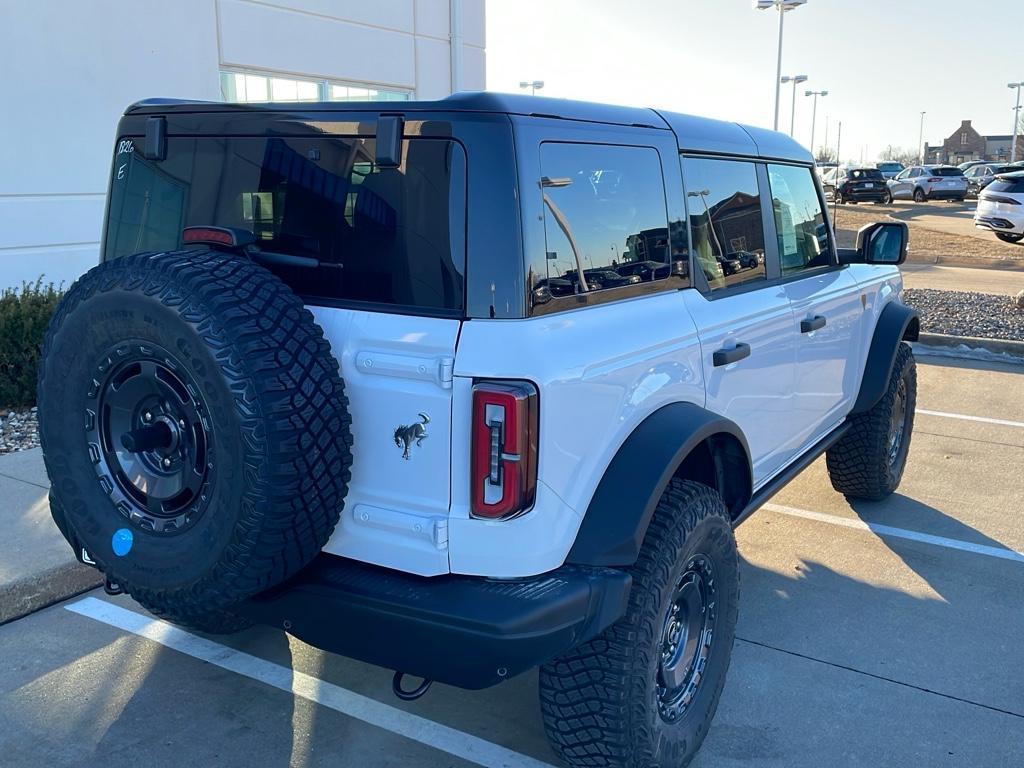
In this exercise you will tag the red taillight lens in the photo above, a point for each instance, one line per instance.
(208, 235)
(503, 472)
(935, 179)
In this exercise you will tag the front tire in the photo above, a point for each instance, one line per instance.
(887, 199)
(868, 462)
(643, 694)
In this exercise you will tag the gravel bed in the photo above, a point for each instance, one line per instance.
(18, 430)
(965, 313)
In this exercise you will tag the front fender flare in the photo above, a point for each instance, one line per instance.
(616, 520)
(895, 323)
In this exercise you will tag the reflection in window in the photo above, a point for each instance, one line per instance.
(799, 220)
(318, 212)
(725, 220)
(605, 220)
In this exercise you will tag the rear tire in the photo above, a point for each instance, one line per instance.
(631, 698)
(238, 445)
(868, 462)
(920, 196)
(1008, 237)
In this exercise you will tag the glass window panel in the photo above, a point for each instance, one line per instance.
(382, 236)
(256, 88)
(799, 219)
(726, 230)
(604, 217)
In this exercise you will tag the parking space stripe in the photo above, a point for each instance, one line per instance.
(965, 417)
(899, 533)
(406, 724)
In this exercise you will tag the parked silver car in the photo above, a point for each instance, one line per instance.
(928, 182)
(889, 168)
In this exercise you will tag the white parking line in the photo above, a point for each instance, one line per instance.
(965, 417)
(450, 740)
(899, 533)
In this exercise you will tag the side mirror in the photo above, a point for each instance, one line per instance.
(884, 242)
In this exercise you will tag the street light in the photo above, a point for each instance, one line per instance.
(920, 142)
(1016, 119)
(781, 6)
(814, 112)
(795, 80)
(533, 85)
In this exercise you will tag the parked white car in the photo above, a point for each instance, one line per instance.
(1001, 207)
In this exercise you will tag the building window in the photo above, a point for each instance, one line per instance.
(246, 87)
(963, 138)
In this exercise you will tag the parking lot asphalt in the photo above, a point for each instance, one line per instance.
(941, 216)
(1007, 282)
(886, 634)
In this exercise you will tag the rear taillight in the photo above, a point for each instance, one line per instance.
(935, 179)
(503, 472)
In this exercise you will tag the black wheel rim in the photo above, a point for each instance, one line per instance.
(686, 638)
(897, 423)
(150, 438)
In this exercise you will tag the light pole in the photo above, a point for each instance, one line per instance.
(533, 85)
(795, 80)
(814, 113)
(781, 6)
(1016, 119)
(920, 142)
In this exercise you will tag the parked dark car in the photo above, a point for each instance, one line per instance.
(980, 176)
(645, 270)
(855, 185)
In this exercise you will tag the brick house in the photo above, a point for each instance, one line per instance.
(965, 143)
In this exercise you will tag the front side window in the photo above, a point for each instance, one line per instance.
(318, 212)
(605, 219)
(724, 207)
(799, 220)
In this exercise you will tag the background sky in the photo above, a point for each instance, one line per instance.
(882, 61)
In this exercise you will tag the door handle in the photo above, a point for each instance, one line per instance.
(814, 324)
(726, 356)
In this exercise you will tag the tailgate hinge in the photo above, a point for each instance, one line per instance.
(441, 534)
(446, 371)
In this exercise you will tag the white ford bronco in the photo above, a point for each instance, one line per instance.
(467, 387)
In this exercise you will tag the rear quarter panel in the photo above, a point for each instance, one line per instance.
(599, 372)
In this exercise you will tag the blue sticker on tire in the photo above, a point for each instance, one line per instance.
(121, 542)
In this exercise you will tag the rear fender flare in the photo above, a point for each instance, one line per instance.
(616, 520)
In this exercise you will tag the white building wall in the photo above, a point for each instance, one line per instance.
(70, 69)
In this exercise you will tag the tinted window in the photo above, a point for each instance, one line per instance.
(799, 219)
(605, 219)
(391, 236)
(1011, 186)
(865, 173)
(727, 233)
(945, 172)
(890, 167)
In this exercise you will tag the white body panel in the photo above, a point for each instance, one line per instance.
(395, 367)
(756, 392)
(600, 371)
(990, 209)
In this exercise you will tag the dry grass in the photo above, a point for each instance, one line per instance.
(925, 244)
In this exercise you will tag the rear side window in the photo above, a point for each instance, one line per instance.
(1010, 186)
(946, 172)
(799, 219)
(724, 207)
(605, 219)
(380, 236)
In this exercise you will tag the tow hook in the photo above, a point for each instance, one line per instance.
(112, 587)
(409, 695)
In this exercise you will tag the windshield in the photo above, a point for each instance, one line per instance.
(890, 167)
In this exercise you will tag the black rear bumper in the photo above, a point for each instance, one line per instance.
(466, 631)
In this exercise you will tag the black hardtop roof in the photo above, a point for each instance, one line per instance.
(694, 134)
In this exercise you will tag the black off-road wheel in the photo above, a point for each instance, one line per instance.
(868, 461)
(643, 694)
(195, 430)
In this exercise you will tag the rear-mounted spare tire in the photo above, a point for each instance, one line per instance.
(195, 430)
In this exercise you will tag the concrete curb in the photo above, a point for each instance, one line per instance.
(39, 590)
(971, 347)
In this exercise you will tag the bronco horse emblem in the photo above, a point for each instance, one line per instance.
(407, 434)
